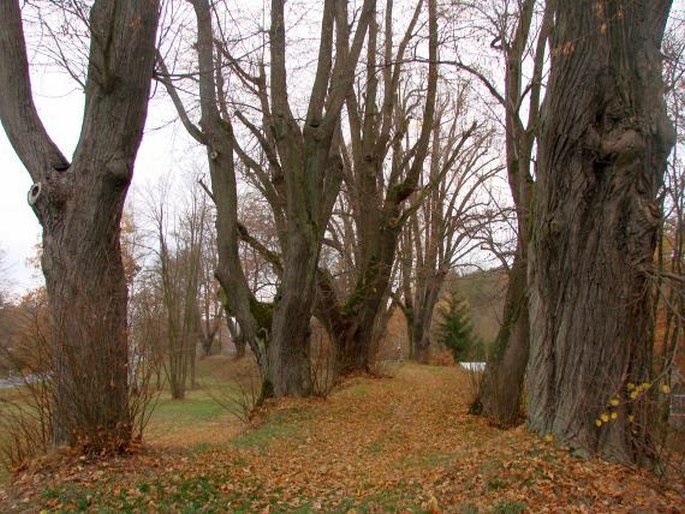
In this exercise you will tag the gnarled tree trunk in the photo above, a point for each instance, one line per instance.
(379, 204)
(603, 149)
(312, 174)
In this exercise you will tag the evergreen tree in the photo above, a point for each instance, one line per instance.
(456, 331)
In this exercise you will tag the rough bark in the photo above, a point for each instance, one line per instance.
(79, 206)
(603, 148)
(301, 183)
(312, 176)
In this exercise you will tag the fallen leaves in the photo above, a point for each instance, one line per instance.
(403, 444)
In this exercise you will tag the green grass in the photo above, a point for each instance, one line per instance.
(509, 507)
(196, 408)
(281, 425)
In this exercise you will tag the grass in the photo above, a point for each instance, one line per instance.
(280, 426)
(196, 408)
(509, 507)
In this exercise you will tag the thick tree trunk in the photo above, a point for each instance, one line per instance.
(79, 205)
(87, 296)
(356, 348)
(421, 351)
(289, 370)
(312, 174)
(379, 226)
(501, 388)
(240, 347)
(603, 149)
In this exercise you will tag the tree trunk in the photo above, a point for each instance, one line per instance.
(603, 148)
(312, 174)
(240, 347)
(380, 217)
(500, 391)
(79, 205)
(499, 396)
(423, 317)
(87, 295)
(289, 364)
(356, 348)
(216, 134)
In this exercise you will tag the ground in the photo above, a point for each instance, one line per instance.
(403, 443)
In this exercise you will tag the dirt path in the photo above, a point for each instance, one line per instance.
(373, 439)
(401, 444)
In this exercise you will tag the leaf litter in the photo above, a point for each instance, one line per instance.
(398, 444)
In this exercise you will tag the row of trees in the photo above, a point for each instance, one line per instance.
(377, 185)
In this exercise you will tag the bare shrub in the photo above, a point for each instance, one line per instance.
(322, 364)
(243, 393)
(143, 396)
(28, 411)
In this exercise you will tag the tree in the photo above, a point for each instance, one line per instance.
(513, 29)
(670, 304)
(79, 204)
(210, 309)
(303, 178)
(180, 264)
(455, 331)
(448, 224)
(382, 173)
(604, 141)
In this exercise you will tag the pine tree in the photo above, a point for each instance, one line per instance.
(456, 331)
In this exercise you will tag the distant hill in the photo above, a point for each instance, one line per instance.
(484, 291)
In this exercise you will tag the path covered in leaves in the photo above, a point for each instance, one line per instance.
(400, 444)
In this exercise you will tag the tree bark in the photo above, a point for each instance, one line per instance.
(603, 148)
(379, 205)
(79, 206)
(312, 176)
(502, 386)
